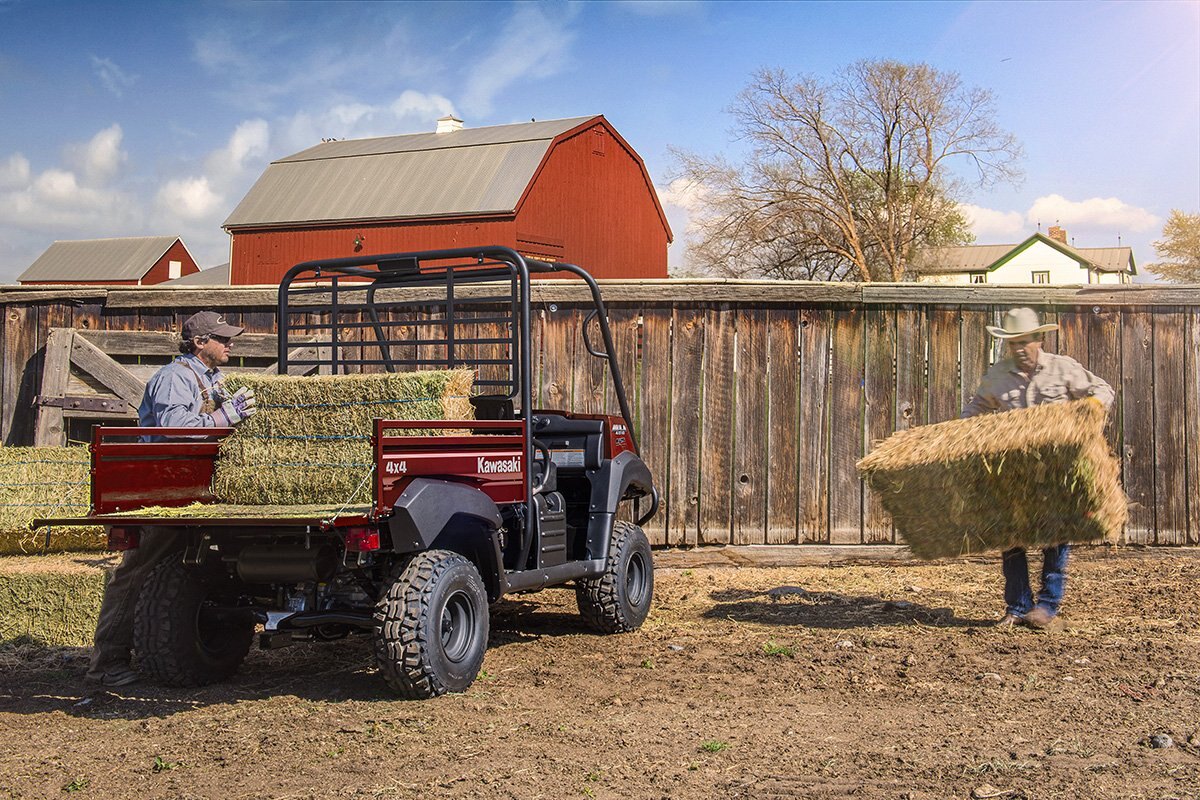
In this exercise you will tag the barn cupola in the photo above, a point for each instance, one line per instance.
(449, 124)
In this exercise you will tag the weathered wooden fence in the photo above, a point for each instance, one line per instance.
(753, 400)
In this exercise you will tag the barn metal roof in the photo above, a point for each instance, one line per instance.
(469, 171)
(84, 260)
(212, 276)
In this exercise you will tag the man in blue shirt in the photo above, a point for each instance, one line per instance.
(186, 393)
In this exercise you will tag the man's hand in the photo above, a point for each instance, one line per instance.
(238, 408)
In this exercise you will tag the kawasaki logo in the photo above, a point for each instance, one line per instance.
(491, 466)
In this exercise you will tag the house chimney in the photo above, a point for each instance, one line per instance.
(1058, 234)
(449, 124)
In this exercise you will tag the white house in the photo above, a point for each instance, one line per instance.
(1040, 259)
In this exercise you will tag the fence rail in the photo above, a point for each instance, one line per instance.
(753, 399)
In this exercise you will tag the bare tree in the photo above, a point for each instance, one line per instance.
(1180, 248)
(845, 179)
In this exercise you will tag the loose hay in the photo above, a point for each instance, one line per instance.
(45, 482)
(1026, 478)
(309, 443)
(232, 511)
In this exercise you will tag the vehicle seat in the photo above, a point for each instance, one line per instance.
(539, 467)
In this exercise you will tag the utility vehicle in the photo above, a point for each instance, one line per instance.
(515, 500)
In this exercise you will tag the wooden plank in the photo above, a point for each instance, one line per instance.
(590, 378)
(943, 364)
(1137, 417)
(19, 374)
(1104, 359)
(1146, 295)
(912, 393)
(166, 343)
(975, 350)
(50, 426)
(880, 390)
(766, 556)
(687, 376)
(1191, 401)
(783, 332)
(753, 448)
(654, 400)
(1073, 334)
(716, 461)
(560, 326)
(1170, 447)
(847, 431)
(815, 407)
(103, 368)
(65, 294)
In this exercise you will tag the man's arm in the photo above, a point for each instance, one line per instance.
(983, 402)
(1083, 383)
(175, 403)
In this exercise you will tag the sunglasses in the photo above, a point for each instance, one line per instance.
(216, 338)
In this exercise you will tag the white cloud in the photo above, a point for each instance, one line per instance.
(14, 172)
(112, 77)
(420, 106)
(247, 148)
(98, 159)
(990, 225)
(531, 45)
(189, 198)
(1096, 213)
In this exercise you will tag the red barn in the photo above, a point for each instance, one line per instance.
(128, 261)
(562, 190)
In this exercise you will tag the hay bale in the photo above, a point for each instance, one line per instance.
(44, 482)
(50, 600)
(1026, 478)
(310, 444)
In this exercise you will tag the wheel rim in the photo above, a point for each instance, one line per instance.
(635, 579)
(458, 626)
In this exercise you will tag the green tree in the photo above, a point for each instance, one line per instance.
(1179, 248)
(845, 179)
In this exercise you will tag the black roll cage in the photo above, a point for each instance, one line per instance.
(325, 284)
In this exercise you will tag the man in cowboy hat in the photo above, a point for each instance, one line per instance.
(186, 393)
(1030, 376)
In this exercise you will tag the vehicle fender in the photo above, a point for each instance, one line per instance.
(443, 515)
(611, 481)
(609, 484)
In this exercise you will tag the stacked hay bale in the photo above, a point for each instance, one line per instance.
(44, 482)
(50, 600)
(310, 444)
(1026, 478)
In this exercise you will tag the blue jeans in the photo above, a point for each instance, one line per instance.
(1017, 594)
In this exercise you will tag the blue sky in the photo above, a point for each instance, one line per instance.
(123, 119)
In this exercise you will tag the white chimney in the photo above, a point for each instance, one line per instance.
(449, 124)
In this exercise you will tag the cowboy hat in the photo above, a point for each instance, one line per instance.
(1020, 322)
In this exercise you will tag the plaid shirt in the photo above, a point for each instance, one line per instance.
(1056, 379)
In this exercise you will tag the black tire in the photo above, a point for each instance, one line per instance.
(433, 626)
(619, 600)
(177, 642)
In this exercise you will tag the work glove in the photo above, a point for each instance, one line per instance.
(238, 408)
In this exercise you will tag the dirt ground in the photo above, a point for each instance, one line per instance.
(855, 682)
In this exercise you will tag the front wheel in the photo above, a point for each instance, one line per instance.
(433, 626)
(619, 600)
(183, 635)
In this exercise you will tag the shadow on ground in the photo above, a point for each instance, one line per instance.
(793, 605)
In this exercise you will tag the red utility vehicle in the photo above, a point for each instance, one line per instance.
(513, 501)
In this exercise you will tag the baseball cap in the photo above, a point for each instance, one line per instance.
(208, 323)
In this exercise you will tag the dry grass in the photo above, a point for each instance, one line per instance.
(1025, 478)
(309, 443)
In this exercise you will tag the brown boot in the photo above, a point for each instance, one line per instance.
(1042, 620)
(1008, 621)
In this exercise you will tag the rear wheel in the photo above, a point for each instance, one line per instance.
(619, 600)
(433, 626)
(183, 635)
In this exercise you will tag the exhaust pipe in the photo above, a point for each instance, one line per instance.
(265, 563)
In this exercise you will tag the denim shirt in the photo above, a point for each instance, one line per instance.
(1055, 379)
(173, 398)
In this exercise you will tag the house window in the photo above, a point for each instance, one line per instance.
(978, 277)
(174, 270)
(1041, 277)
